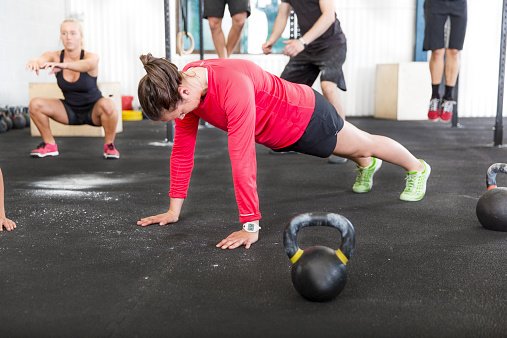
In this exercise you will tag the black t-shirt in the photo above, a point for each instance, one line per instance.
(308, 12)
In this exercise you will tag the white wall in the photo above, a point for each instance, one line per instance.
(120, 30)
(478, 85)
(377, 32)
(27, 29)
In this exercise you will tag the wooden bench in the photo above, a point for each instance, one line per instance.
(51, 90)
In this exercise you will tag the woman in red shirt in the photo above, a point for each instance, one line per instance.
(255, 106)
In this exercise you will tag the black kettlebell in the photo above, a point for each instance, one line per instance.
(7, 120)
(3, 124)
(319, 273)
(491, 208)
(18, 119)
(26, 114)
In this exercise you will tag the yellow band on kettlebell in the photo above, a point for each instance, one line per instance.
(296, 256)
(342, 257)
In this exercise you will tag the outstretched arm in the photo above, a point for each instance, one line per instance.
(239, 105)
(327, 18)
(89, 64)
(278, 27)
(37, 64)
(181, 170)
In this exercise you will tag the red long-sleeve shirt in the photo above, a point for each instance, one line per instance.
(251, 105)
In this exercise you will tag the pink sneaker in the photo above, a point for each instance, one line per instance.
(110, 152)
(45, 149)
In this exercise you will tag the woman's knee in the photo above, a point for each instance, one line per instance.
(107, 108)
(36, 105)
(355, 142)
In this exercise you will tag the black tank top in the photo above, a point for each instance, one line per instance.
(82, 92)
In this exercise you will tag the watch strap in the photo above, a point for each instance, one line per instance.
(251, 227)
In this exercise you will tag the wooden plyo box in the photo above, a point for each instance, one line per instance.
(402, 91)
(51, 90)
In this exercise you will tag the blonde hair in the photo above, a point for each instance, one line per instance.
(79, 26)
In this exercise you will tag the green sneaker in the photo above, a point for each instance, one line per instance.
(415, 188)
(364, 178)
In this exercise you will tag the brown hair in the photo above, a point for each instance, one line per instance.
(158, 89)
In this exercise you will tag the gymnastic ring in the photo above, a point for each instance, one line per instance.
(179, 43)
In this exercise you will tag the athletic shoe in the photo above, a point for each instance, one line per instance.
(415, 188)
(45, 149)
(434, 110)
(447, 110)
(274, 152)
(364, 178)
(333, 159)
(110, 152)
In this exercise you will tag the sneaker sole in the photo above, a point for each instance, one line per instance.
(111, 157)
(408, 199)
(54, 153)
(365, 191)
(334, 160)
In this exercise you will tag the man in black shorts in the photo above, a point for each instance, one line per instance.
(322, 48)
(214, 12)
(436, 13)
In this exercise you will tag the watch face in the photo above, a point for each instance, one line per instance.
(250, 227)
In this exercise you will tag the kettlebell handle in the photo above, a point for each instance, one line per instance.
(491, 174)
(319, 219)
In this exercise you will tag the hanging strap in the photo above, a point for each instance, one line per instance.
(184, 11)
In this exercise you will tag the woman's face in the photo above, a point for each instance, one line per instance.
(191, 99)
(70, 35)
(183, 108)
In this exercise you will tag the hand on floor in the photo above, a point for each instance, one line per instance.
(161, 219)
(7, 224)
(239, 238)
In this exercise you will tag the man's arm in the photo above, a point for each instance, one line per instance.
(327, 18)
(278, 27)
(325, 21)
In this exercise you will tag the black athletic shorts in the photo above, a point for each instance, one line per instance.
(306, 66)
(435, 18)
(216, 8)
(319, 138)
(79, 114)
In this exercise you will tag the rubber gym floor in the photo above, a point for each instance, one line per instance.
(78, 266)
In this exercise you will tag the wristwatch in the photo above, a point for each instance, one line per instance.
(251, 227)
(303, 42)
